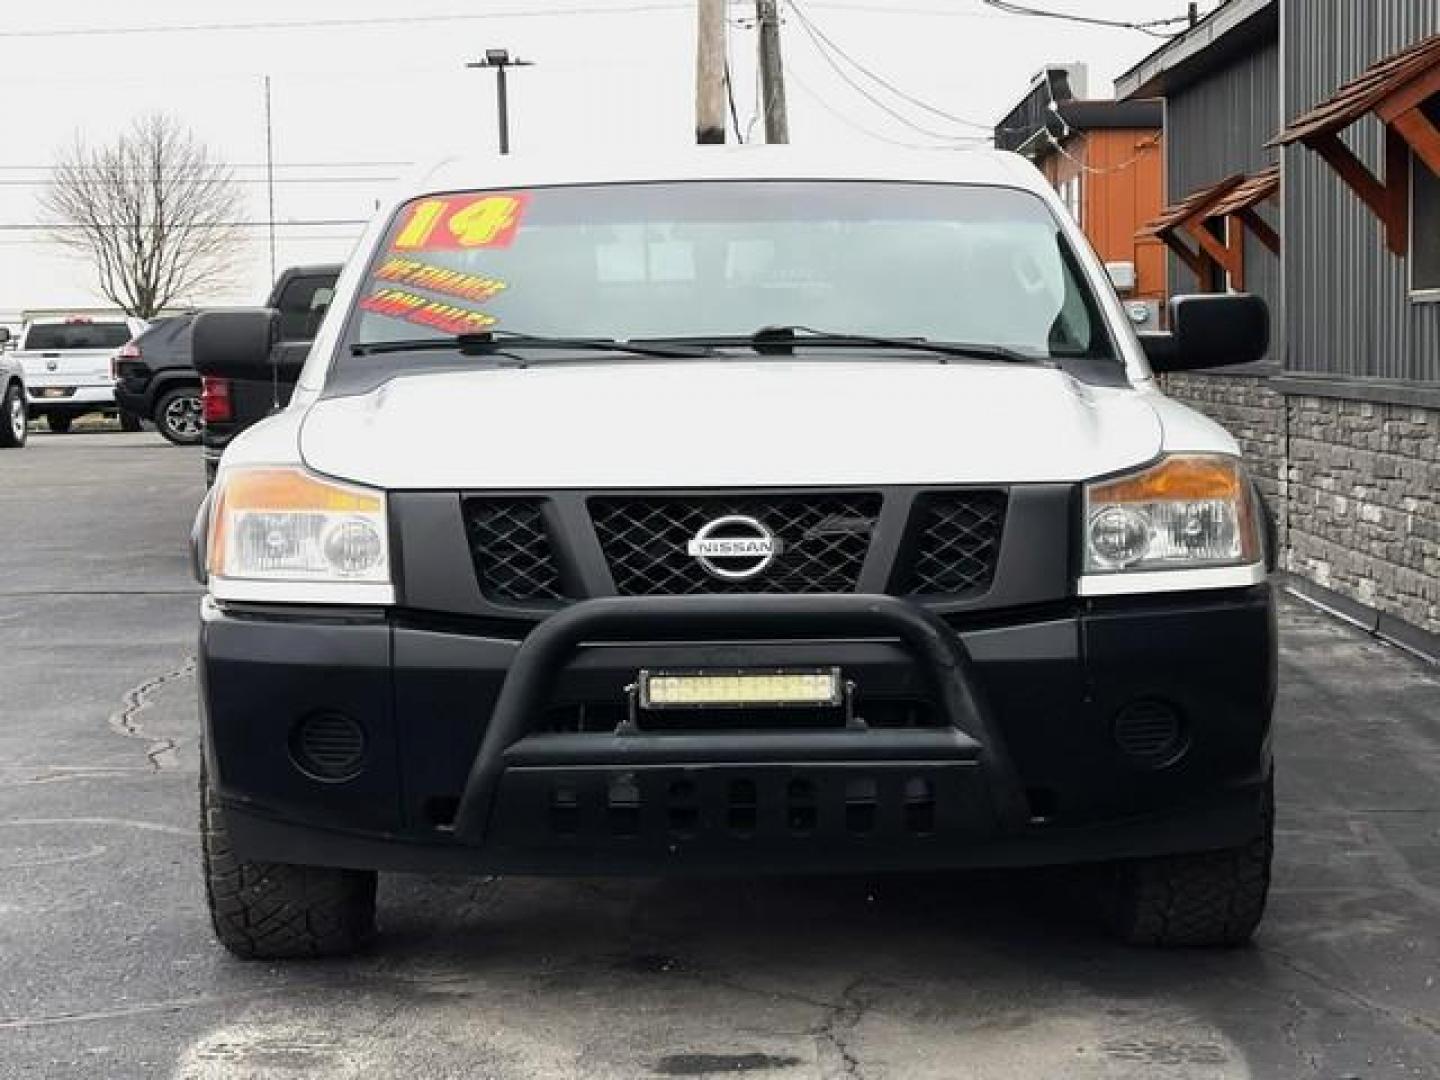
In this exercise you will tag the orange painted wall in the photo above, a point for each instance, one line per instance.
(1116, 201)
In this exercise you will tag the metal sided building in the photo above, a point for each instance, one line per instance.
(1303, 164)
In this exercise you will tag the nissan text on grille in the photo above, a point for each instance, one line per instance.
(805, 512)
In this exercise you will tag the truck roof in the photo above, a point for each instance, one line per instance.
(81, 320)
(726, 163)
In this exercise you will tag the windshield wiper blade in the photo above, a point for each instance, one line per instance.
(783, 337)
(494, 341)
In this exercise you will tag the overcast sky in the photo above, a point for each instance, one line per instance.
(353, 102)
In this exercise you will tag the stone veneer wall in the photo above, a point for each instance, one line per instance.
(1354, 484)
(1252, 412)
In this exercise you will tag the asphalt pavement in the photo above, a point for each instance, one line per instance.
(108, 969)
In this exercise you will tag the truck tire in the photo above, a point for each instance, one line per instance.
(178, 416)
(1213, 898)
(14, 421)
(59, 423)
(281, 911)
(130, 421)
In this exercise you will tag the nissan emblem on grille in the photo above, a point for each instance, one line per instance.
(735, 547)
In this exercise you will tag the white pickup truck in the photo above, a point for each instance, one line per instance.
(67, 367)
(743, 510)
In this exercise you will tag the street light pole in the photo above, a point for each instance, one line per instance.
(500, 60)
(502, 103)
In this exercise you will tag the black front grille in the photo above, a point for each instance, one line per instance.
(824, 539)
(955, 543)
(510, 544)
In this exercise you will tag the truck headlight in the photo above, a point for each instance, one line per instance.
(1188, 512)
(283, 535)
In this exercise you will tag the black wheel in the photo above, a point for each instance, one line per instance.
(59, 423)
(1206, 898)
(129, 421)
(178, 416)
(14, 418)
(280, 911)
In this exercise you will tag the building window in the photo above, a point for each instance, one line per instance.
(1070, 196)
(1425, 223)
(1425, 218)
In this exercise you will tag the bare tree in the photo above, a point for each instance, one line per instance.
(154, 210)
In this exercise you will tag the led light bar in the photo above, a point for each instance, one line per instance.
(739, 689)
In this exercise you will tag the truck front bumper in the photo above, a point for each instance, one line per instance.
(1008, 742)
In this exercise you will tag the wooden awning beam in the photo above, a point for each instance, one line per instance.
(1196, 262)
(1388, 199)
(1230, 256)
(1262, 230)
(1395, 91)
(1422, 135)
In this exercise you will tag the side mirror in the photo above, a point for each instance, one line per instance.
(240, 344)
(4, 335)
(1210, 331)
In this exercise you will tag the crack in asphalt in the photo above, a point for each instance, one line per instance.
(1339, 989)
(832, 1034)
(40, 594)
(125, 823)
(64, 775)
(15, 1023)
(160, 751)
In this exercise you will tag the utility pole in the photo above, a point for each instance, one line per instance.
(710, 71)
(772, 72)
(500, 60)
(270, 176)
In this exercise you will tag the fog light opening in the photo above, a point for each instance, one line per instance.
(1151, 733)
(328, 746)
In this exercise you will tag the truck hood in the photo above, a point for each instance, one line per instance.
(729, 424)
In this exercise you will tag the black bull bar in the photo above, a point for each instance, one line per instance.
(510, 744)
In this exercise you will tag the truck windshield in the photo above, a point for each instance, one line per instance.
(57, 337)
(723, 259)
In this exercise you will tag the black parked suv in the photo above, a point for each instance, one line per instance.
(300, 295)
(155, 378)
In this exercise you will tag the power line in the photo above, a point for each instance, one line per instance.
(319, 24)
(824, 52)
(730, 85)
(50, 167)
(730, 97)
(1150, 27)
(850, 121)
(1144, 148)
(36, 226)
(815, 31)
(8, 181)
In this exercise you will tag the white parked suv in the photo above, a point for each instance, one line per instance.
(743, 511)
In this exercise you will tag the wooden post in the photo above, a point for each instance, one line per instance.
(1397, 192)
(710, 71)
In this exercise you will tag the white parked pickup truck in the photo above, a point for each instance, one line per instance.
(67, 366)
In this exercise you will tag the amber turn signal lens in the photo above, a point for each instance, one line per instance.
(1188, 478)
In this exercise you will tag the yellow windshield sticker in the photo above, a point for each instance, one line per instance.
(439, 279)
(435, 314)
(460, 223)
